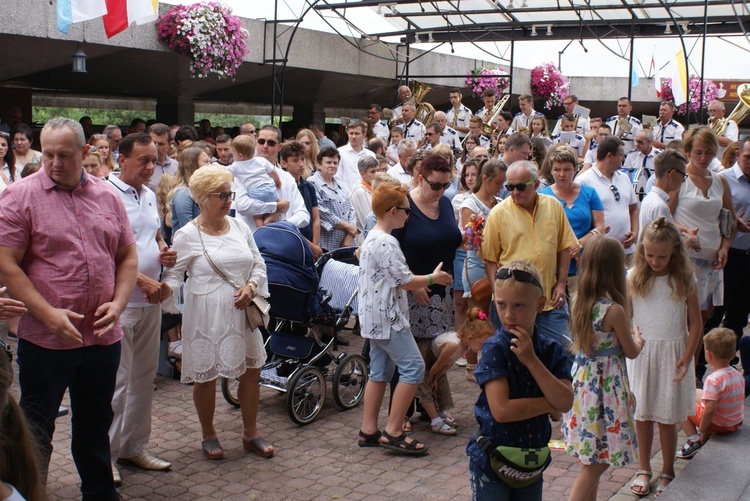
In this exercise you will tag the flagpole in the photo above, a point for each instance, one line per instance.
(703, 52)
(630, 73)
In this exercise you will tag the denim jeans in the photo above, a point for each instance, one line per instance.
(485, 488)
(89, 374)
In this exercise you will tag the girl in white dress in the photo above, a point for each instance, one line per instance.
(665, 309)
(216, 339)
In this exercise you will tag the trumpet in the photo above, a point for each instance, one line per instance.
(455, 117)
(487, 127)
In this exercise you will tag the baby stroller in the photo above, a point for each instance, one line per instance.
(300, 351)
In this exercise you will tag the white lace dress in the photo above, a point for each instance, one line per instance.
(216, 340)
(663, 324)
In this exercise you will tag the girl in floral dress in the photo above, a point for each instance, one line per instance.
(599, 429)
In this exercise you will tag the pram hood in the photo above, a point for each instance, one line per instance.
(289, 260)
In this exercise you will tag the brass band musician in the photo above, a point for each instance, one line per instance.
(458, 116)
(666, 129)
(623, 125)
(731, 132)
(522, 119)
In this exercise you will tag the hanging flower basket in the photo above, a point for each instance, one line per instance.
(550, 84)
(488, 77)
(208, 34)
(710, 93)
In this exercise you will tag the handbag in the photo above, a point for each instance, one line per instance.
(481, 290)
(258, 309)
(726, 223)
(518, 467)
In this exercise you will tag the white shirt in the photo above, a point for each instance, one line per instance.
(590, 157)
(413, 130)
(731, 132)
(383, 270)
(653, 206)
(252, 173)
(399, 173)
(168, 167)
(143, 215)
(392, 150)
(451, 138)
(666, 133)
(380, 129)
(348, 173)
(247, 207)
(464, 114)
(521, 121)
(583, 127)
(578, 142)
(636, 160)
(616, 213)
(629, 138)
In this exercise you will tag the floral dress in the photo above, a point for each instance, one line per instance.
(599, 428)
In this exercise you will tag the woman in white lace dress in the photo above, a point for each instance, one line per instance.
(216, 339)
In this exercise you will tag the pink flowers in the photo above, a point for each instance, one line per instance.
(710, 93)
(208, 34)
(550, 84)
(487, 78)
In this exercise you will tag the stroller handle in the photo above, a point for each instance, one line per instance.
(343, 317)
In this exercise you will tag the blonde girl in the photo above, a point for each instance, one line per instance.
(664, 302)
(538, 127)
(100, 142)
(599, 429)
(308, 140)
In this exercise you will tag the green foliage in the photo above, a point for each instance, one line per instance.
(100, 117)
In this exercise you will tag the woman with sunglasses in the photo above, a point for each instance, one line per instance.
(429, 238)
(225, 271)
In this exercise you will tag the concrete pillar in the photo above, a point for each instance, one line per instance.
(302, 116)
(173, 110)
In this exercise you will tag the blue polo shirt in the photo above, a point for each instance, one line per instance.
(307, 191)
(498, 361)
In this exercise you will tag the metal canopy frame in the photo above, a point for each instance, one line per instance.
(471, 21)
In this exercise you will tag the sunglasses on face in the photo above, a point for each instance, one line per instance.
(429, 134)
(437, 186)
(225, 195)
(407, 210)
(615, 192)
(518, 276)
(271, 142)
(519, 186)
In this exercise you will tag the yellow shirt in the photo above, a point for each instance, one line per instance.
(511, 234)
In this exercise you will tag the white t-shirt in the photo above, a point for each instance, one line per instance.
(445, 338)
(348, 173)
(252, 173)
(653, 206)
(616, 212)
(382, 271)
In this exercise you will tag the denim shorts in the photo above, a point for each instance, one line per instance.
(399, 351)
(458, 270)
(710, 284)
(476, 270)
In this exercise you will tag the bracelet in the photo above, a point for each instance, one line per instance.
(471, 367)
(253, 284)
(595, 232)
(430, 277)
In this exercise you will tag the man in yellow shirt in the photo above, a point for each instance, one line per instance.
(532, 227)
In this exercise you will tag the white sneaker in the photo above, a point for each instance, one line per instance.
(175, 348)
(461, 362)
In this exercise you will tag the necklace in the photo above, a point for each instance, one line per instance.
(433, 208)
(212, 231)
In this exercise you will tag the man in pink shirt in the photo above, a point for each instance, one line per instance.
(68, 253)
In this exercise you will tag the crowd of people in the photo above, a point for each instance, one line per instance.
(537, 259)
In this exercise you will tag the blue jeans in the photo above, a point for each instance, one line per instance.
(485, 488)
(399, 351)
(89, 373)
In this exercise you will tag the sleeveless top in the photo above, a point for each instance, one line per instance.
(696, 210)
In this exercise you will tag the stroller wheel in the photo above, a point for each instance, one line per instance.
(306, 392)
(349, 381)
(229, 389)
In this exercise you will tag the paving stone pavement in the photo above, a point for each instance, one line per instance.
(319, 461)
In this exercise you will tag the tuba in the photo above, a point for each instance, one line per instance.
(739, 112)
(623, 127)
(487, 127)
(424, 111)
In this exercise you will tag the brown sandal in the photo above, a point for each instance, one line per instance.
(212, 448)
(258, 446)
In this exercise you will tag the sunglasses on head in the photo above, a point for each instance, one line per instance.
(518, 276)
(519, 186)
(225, 195)
(615, 192)
(437, 186)
(270, 142)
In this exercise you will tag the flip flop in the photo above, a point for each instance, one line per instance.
(645, 484)
(369, 439)
(399, 445)
(258, 446)
(212, 448)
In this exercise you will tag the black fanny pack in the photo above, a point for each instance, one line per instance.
(516, 466)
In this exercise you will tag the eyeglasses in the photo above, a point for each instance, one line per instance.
(518, 276)
(615, 192)
(519, 186)
(271, 142)
(225, 195)
(437, 186)
(252, 132)
(568, 104)
(405, 209)
(684, 174)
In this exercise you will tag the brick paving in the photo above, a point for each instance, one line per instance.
(317, 461)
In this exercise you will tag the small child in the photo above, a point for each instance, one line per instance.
(384, 278)
(434, 392)
(719, 406)
(397, 134)
(525, 379)
(600, 430)
(257, 175)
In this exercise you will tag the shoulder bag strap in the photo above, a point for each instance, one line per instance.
(210, 261)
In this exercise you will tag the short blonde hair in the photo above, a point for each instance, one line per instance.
(244, 145)
(522, 266)
(207, 180)
(722, 342)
